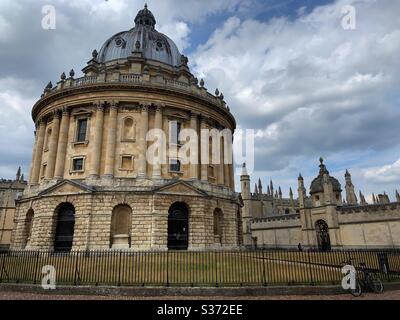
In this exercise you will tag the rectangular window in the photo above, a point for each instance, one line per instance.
(175, 130)
(126, 163)
(211, 171)
(77, 164)
(175, 165)
(81, 130)
(44, 168)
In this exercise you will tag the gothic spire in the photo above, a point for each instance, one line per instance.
(18, 175)
(397, 196)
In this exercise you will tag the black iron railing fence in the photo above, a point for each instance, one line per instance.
(195, 268)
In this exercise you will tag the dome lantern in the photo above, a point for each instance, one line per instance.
(317, 183)
(145, 17)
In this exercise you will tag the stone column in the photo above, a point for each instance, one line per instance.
(97, 141)
(51, 162)
(220, 166)
(227, 175)
(229, 158)
(204, 167)
(194, 167)
(165, 166)
(39, 152)
(111, 140)
(144, 125)
(158, 124)
(33, 157)
(62, 145)
(231, 177)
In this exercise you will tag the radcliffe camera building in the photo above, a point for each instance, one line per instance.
(90, 184)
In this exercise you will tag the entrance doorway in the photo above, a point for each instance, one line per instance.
(324, 242)
(178, 226)
(65, 227)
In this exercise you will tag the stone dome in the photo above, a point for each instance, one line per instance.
(142, 38)
(317, 185)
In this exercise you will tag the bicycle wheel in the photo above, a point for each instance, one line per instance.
(357, 291)
(376, 284)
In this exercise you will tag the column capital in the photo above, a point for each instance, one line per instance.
(65, 111)
(56, 114)
(99, 106)
(114, 104)
(203, 119)
(39, 122)
(159, 107)
(144, 106)
(194, 114)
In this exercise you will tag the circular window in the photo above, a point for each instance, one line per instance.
(159, 45)
(119, 42)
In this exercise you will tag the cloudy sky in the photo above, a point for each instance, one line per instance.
(287, 68)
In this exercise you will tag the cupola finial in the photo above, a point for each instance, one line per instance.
(145, 17)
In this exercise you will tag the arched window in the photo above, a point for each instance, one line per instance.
(28, 227)
(218, 225)
(129, 129)
(121, 221)
(65, 227)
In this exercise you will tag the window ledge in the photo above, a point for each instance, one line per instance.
(78, 143)
(178, 145)
(77, 172)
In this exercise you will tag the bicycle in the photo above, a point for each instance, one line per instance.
(369, 280)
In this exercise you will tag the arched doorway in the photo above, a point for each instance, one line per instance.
(218, 224)
(121, 227)
(65, 227)
(322, 229)
(28, 227)
(178, 226)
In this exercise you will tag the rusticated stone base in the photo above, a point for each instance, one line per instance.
(149, 222)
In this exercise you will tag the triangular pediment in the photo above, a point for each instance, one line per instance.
(181, 188)
(67, 187)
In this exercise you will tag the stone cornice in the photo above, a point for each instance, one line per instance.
(139, 87)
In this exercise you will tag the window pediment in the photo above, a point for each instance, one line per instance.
(82, 113)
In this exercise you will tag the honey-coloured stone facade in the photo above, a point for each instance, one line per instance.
(91, 186)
